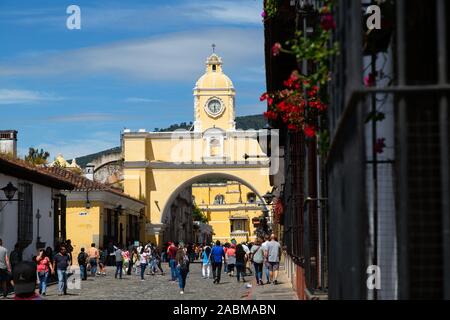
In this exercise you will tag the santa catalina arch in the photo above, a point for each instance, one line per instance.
(158, 166)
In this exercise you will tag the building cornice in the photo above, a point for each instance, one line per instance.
(195, 165)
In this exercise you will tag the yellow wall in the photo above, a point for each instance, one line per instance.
(83, 230)
(86, 229)
(235, 205)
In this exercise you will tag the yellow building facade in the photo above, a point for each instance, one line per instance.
(160, 165)
(97, 213)
(230, 208)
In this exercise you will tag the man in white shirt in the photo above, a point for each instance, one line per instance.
(266, 264)
(273, 254)
(248, 270)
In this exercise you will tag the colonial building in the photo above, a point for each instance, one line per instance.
(97, 213)
(231, 209)
(159, 165)
(32, 207)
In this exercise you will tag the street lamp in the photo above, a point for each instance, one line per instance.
(9, 191)
(39, 244)
(268, 197)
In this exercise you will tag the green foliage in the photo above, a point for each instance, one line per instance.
(323, 142)
(315, 49)
(271, 8)
(36, 156)
(197, 215)
(375, 116)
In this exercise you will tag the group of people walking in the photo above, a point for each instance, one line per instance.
(235, 259)
(22, 275)
(264, 254)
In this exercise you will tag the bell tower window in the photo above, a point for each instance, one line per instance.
(214, 68)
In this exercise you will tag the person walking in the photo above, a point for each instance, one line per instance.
(119, 261)
(225, 263)
(69, 249)
(93, 258)
(241, 258)
(247, 267)
(257, 257)
(157, 261)
(131, 261)
(171, 254)
(182, 264)
(60, 264)
(135, 259)
(206, 262)
(102, 261)
(15, 256)
(217, 256)
(5, 269)
(143, 261)
(82, 262)
(273, 253)
(44, 269)
(126, 260)
(266, 263)
(231, 259)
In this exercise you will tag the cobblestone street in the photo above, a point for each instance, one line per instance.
(160, 288)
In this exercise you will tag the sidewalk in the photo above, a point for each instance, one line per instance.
(282, 291)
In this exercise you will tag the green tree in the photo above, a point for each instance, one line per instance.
(36, 156)
(197, 215)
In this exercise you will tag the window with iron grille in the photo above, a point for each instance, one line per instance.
(25, 214)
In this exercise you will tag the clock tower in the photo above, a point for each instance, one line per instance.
(214, 98)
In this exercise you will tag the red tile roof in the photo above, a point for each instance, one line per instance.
(27, 171)
(83, 184)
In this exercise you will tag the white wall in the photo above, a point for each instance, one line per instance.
(42, 201)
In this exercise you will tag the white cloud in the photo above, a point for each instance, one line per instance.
(237, 12)
(136, 16)
(13, 96)
(141, 100)
(87, 117)
(176, 57)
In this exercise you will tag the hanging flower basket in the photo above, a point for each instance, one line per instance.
(298, 106)
(278, 209)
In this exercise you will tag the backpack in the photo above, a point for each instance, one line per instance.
(184, 265)
(82, 258)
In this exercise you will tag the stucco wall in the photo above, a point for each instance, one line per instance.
(42, 201)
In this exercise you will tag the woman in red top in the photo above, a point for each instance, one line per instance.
(44, 269)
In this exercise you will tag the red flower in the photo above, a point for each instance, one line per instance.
(270, 115)
(370, 80)
(292, 127)
(309, 131)
(380, 145)
(276, 49)
(327, 22)
(263, 97)
(282, 106)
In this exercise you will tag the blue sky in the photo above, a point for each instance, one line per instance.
(132, 65)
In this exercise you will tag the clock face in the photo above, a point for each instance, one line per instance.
(214, 107)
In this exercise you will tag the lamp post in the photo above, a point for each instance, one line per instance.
(39, 244)
(9, 192)
(88, 203)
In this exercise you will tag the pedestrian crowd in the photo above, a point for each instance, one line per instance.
(239, 260)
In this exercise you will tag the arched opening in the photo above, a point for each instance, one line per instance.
(219, 198)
